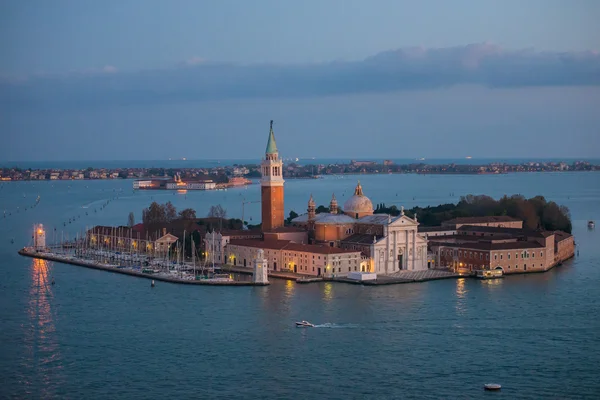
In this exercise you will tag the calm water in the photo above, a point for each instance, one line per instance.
(97, 335)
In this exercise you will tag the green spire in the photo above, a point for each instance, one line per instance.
(271, 146)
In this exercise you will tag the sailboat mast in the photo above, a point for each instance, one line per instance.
(193, 257)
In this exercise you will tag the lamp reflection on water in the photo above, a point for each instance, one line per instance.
(327, 291)
(290, 286)
(461, 294)
(42, 357)
(492, 284)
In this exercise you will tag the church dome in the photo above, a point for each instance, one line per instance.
(358, 205)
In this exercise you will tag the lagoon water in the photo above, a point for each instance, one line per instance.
(98, 335)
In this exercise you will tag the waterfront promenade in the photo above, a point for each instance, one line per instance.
(395, 278)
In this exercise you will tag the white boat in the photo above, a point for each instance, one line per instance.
(304, 324)
(489, 274)
(492, 386)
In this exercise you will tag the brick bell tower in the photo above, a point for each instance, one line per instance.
(272, 186)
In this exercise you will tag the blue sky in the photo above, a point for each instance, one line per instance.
(429, 77)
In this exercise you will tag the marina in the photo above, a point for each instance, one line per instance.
(173, 276)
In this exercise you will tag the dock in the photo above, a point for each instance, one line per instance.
(405, 277)
(27, 252)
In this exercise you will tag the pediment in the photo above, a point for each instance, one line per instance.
(404, 221)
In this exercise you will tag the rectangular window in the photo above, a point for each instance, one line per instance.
(541, 254)
(495, 256)
(533, 254)
(501, 256)
(508, 255)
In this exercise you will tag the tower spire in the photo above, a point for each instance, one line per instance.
(271, 145)
(333, 205)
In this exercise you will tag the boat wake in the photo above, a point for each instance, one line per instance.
(336, 326)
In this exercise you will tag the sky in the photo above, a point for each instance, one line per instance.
(151, 79)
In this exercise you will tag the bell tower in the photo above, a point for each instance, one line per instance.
(272, 186)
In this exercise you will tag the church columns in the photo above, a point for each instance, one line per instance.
(407, 255)
(387, 254)
(395, 260)
(414, 246)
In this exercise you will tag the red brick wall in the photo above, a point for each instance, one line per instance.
(565, 249)
(272, 207)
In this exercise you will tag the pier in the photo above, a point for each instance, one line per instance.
(73, 260)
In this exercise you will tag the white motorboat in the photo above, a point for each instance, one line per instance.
(492, 386)
(304, 324)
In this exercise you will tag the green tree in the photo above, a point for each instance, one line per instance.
(188, 213)
(217, 212)
(170, 212)
(131, 220)
(322, 209)
(293, 215)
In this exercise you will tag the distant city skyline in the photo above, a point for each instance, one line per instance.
(384, 79)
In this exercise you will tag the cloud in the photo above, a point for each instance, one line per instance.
(109, 69)
(402, 69)
(194, 61)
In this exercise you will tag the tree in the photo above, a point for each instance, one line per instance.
(188, 213)
(217, 212)
(293, 215)
(322, 209)
(154, 217)
(170, 211)
(131, 220)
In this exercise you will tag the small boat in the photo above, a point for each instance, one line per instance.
(492, 386)
(490, 274)
(591, 224)
(304, 324)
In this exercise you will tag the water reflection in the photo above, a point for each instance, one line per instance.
(492, 284)
(461, 297)
(42, 353)
(327, 291)
(290, 286)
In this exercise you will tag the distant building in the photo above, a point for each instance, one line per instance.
(362, 163)
(513, 250)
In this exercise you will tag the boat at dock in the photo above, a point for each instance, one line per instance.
(591, 224)
(490, 274)
(308, 279)
(304, 324)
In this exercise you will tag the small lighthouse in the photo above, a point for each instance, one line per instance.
(39, 237)
(260, 268)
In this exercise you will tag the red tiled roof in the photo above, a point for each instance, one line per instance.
(285, 229)
(559, 236)
(482, 220)
(260, 244)
(435, 228)
(518, 245)
(509, 231)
